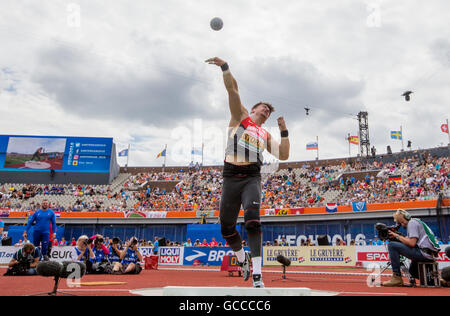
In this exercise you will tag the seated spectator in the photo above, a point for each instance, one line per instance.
(188, 243)
(213, 243)
(63, 242)
(24, 261)
(204, 243)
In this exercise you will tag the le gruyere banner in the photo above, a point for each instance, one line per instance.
(312, 256)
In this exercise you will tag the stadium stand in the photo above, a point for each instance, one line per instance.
(394, 178)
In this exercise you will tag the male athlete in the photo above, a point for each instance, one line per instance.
(242, 172)
(41, 235)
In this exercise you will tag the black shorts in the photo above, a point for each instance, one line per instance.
(241, 186)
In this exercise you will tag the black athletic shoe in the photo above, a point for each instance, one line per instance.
(257, 281)
(245, 267)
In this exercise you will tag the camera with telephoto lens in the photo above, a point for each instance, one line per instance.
(98, 240)
(133, 242)
(20, 268)
(383, 231)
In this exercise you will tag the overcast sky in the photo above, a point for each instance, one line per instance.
(135, 71)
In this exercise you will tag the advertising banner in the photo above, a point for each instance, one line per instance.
(311, 256)
(206, 255)
(379, 254)
(59, 153)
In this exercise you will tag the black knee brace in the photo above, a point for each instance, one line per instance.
(230, 234)
(253, 226)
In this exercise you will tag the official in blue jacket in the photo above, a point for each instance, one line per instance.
(42, 219)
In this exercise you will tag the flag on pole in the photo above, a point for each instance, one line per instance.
(197, 151)
(312, 146)
(444, 128)
(353, 140)
(397, 135)
(162, 154)
(123, 153)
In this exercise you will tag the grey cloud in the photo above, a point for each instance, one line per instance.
(291, 85)
(88, 85)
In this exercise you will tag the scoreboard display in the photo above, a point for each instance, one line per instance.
(59, 153)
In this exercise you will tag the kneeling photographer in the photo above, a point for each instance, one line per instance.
(24, 261)
(83, 252)
(419, 246)
(130, 259)
(115, 251)
(101, 264)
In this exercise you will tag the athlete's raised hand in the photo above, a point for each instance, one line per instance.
(281, 124)
(216, 61)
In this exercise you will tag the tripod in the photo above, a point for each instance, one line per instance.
(403, 267)
(283, 277)
(55, 290)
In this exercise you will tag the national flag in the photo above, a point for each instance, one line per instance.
(444, 128)
(396, 179)
(196, 151)
(123, 153)
(331, 207)
(397, 135)
(359, 206)
(162, 154)
(353, 140)
(312, 146)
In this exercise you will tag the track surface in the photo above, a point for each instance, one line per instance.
(346, 282)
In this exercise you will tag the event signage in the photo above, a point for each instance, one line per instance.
(311, 256)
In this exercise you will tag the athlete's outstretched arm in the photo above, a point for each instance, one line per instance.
(279, 150)
(238, 112)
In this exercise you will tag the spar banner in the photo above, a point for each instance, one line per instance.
(368, 255)
(344, 256)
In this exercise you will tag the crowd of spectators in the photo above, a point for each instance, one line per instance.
(417, 179)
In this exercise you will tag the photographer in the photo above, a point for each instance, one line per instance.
(115, 251)
(101, 263)
(24, 261)
(419, 246)
(130, 259)
(84, 253)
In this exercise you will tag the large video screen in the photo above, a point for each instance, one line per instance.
(62, 154)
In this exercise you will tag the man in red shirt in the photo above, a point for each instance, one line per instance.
(204, 243)
(213, 243)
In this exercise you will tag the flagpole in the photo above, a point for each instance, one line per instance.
(448, 132)
(401, 133)
(128, 154)
(203, 146)
(165, 155)
(349, 149)
(317, 139)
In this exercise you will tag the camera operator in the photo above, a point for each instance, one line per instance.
(83, 252)
(115, 251)
(24, 261)
(419, 246)
(130, 259)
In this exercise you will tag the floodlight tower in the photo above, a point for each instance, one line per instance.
(364, 142)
